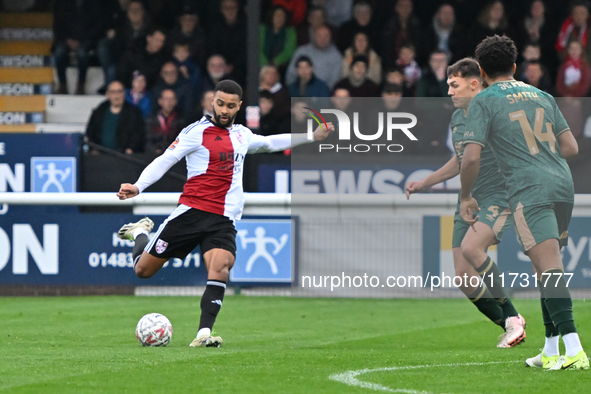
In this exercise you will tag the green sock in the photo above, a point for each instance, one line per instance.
(551, 330)
(557, 300)
(491, 275)
(486, 304)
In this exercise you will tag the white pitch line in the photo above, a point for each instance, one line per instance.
(350, 377)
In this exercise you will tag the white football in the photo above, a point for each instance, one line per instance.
(154, 329)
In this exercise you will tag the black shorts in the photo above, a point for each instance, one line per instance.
(188, 227)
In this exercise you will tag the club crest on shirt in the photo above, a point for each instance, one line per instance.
(161, 246)
(239, 136)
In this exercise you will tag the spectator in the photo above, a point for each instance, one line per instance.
(393, 101)
(575, 27)
(164, 126)
(433, 82)
(395, 76)
(402, 29)
(337, 11)
(391, 97)
(76, 29)
(412, 71)
(126, 35)
(188, 32)
(362, 21)
(341, 99)
(216, 70)
(204, 108)
(534, 75)
(277, 40)
(531, 53)
(538, 28)
(574, 74)
(170, 79)
(269, 81)
(115, 124)
(316, 18)
(296, 8)
(491, 21)
(186, 66)
(228, 38)
(148, 59)
(357, 82)
(361, 46)
(324, 55)
(307, 84)
(138, 95)
(443, 34)
(272, 122)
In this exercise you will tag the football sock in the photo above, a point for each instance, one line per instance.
(572, 343)
(203, 331)
(211, 302)
(558, 301)
(141, 240)
(551, 330)
(551, 346)
(491, 275)
(486, 304)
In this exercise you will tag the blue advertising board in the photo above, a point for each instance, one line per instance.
(515, 266)
(263, 251)
(41, 245)
(39, 162)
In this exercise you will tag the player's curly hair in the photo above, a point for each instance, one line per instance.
(496, 55)
(230, 87)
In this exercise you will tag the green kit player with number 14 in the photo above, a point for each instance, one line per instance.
(530, 139)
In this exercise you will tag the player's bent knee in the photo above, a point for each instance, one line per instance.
(470, 251)
(143, 272)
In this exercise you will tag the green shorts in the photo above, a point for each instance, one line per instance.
(494, 212)
(539, 223)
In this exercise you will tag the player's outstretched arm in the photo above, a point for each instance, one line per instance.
(568, 144)
(151, 174)
(279, 142)
(448, 171)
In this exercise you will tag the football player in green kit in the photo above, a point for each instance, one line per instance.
(530, 140)
(489, 297)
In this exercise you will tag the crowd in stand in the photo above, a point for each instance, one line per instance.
(164, 62)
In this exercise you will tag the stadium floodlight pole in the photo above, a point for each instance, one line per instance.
(252, 52)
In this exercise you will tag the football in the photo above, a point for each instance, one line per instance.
(154, 329)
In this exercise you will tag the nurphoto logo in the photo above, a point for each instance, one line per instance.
(392, 121)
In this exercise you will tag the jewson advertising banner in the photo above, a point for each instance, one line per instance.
(355, 178)
(40, 245)
(513, 263)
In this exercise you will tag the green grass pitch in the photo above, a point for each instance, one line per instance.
(273, 345)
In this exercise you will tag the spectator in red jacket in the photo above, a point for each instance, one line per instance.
(297, 9)
(574, 74)
(576, 27)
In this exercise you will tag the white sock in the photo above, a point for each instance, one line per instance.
(572, 344)
(138, 231)
(204, 331)
(551, 347)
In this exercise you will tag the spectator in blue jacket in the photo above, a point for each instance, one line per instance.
(138, 95)
(307, 84)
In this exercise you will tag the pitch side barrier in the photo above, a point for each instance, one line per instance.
(333, 245)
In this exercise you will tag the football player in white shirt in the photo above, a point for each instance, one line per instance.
(212, 198)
